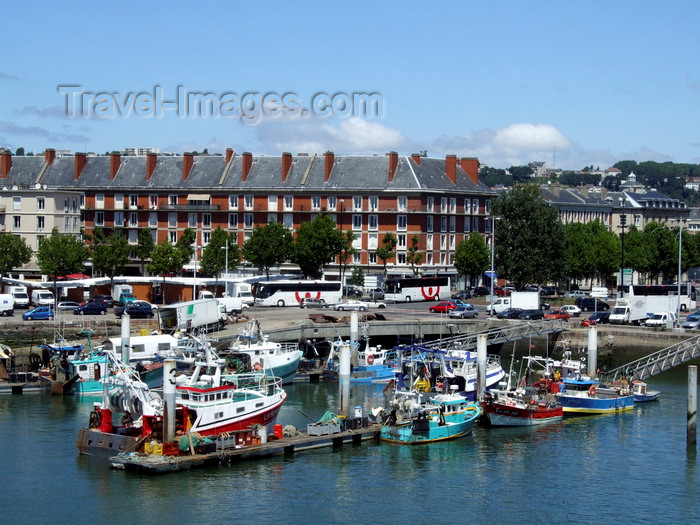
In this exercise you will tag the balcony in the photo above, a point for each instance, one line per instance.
(190, 207)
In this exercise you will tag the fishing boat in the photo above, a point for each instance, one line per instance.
(253, 351)
(13, 380)
(523, 406)
(642, 394)
(584, 396)
(369, 364)
(415, 419)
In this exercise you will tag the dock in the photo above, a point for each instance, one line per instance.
(231, 453)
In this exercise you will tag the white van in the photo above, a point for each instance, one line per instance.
(661, 319)
(42, 298)
(7, 304)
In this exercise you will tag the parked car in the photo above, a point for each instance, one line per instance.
(464, 311)
(692, 321)
(481, 291)
(107, 299)
(312, 302)
(443, 307)
(660, 319)
(67, 305)
(596, 318)
(376, 294)
(93, 308)
(574, 311)
(574, 293)
(531, 315)
(135, 309)
(464, 294)
(39, 313)
(351, 305)
(510, 313)
(588, 304)
(499, 292)
(548, 290)
(558, 313)
(351, 291)
(544, 306)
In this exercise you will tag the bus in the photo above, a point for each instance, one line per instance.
(661, 297)
(409, 289)
(290, 293)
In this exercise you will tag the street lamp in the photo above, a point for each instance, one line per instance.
(194, 279)
(677, 322)
(341, 202)
(623, 225)
(225, 247)
(493, 255)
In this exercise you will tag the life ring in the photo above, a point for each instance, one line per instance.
(370, 359)
(591, 391)
(257, 367)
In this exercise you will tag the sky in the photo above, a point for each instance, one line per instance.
(571, 84)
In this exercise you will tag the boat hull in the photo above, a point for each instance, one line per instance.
(431, 430)
(588, 405)
(500, 415)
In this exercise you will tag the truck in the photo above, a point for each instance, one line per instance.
(7, 304)
(123, 294)
(240, 290)
(629, 311)
(189, 316)
(232, 304)
(20, 295)
(42, 297)
(523, 300)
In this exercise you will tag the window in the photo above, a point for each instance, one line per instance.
(172, 237)
(475, 206)
(401, 240)
(206, 220)
(82, 201)
(429, 223)
(40, 222)
(206, 237)
(233, 202)
(99, 218)
(192, 220)
(272, 202)
(40, 203)
(316, 202)
(453, 223)
(118, 219)
(66, 206)
(453, 205)
(401, 222)
(247, 220)
(271, 217)
(443, 224)
(401, 203)
(17, 203)
(133, 219)
(357, 258)
(75, 205)
(153, 220)
(475, 224)
(430, 204)
(373, 203)
(75, 224)
(133, 236)
(357, 203)
(452, 242)
(487, 206)
(429, 258)
(443, 259)
(248, 202)
(357, 222)
(401, 258)
(373, 222)
(153, 201)
(118, 202)
(487, 226)
(443, 242)
(372, 256)
(429, 241)
(443, 205)
(467, 224)
(133, 201)
(372, 241)
(288, 203)
(288, 221)
(332, 203)
(233, 220)
(172, 200)
(99, 201)
(172, 220)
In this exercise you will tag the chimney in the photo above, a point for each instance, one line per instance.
(470, 166)
(286, 165)
(114, 160)
(247, 163)
(80, 161)
(6, 164)
(329, 156)
(187, 161)
(451, 168)
(229, 154)
(49, 156)
(151, 162)
(416, 158)
(393, 163)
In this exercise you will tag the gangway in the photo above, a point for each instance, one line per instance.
(657, 362)
(500, 335)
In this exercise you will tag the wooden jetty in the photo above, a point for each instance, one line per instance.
(229, 452)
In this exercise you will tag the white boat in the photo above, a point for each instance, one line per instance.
(253, 351)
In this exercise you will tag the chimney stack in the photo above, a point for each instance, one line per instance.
(80, 161)
(393, 163)
(286, 165)
(187, 161)
(6, 164)
(470, 165)
(151, 162)
(247, 163)
(114, 160)
(451, 168)
(229, 154)
(329, 156)
(416, 158)
(49, 156)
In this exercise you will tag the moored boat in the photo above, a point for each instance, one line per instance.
(585, 396)
(370, 364)
(535, 405)
(642, 394)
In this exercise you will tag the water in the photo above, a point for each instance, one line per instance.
(628, 467)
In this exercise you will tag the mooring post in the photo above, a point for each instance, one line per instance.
(592, 351)
(344, 379)
(169, 371)
(481, 357)
(692, 404)
(126, 339)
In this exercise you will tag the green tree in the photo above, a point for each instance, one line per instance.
(14, 252)
(185, 246)
(358, 276)
(214, 255)
(530, 239)
(110, 254)
(387, 250)
(472, 256)
(268, 245)
(317, 244)
(580, 258)
(145, 247)
(20, 151)
(165, 259)
(413, 255)
(61, 254)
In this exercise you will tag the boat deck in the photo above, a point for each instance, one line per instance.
(159, 464)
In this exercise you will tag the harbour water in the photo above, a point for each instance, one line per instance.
(632, 467)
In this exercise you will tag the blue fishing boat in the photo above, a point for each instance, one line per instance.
(584, 396)
(370, 364)
(642, 394)
(418, 418)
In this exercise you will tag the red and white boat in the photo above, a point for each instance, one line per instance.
(524, 406)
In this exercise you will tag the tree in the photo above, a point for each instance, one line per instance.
(317, 243)
(14, 252)
(530, 239)
(346, 251)
(413, 256)
(61, 254)
(145, 247)
(185, 247)
(269, 245)
(387, 250)
(358, 276)
(110, 254)
(214, 255)
(20, 151)
(165, 259)
(472, 256)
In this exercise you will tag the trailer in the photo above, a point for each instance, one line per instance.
(189, 316)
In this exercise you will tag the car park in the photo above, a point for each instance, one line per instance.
(443, 307)
(544, 306)
(39, 313)
(510, 313)
(93, 308)
(589, 304)
(531, 315)
(351, 305)
(558, 313)
(67, 306)
(574, 311)
(464, 311)
(312, 302)
(135, 309)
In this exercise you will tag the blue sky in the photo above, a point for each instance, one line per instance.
(568, 83)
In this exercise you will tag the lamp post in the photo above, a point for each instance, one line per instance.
(623, 225)
(225, 247)
(341, 202)
(677, 322)
(194, 278)
(493, 258)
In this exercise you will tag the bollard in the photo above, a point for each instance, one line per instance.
(592, 352)
(481, 363)
(692, 404)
